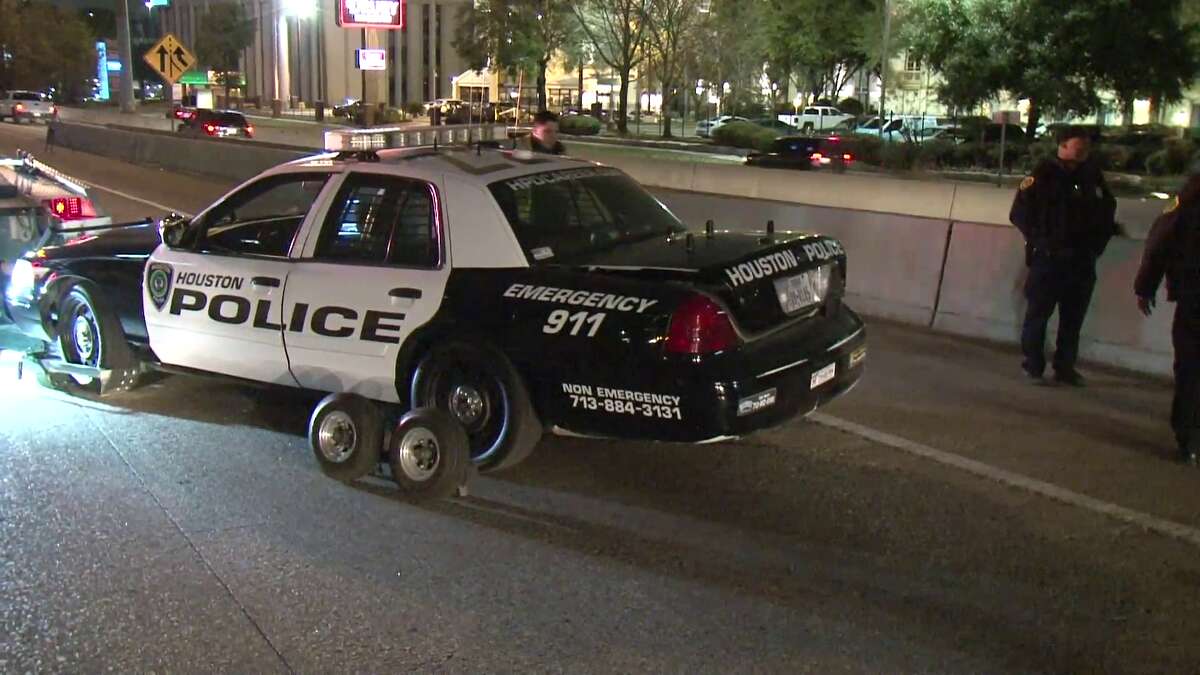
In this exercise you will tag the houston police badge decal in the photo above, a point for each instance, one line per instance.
(158, 283)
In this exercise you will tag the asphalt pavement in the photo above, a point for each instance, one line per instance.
(942, 517)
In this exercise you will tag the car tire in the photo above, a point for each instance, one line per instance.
(481, 390)
(808, 127)
(345, 433)
(88, 334)
(430, 454)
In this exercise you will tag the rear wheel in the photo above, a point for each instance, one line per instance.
(480, 389)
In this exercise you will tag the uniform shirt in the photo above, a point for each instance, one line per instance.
(1064, 210)
(528, 142)
(1172, 250)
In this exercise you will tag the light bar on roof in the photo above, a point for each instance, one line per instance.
(363, 140)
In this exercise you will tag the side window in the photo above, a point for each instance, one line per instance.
(811, 111)
(380, 220)
(262, 218)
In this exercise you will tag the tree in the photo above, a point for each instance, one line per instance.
(225, 32)
(671, 38)
(515, 36)
(738, 62)
(617, 31)
(40, 57)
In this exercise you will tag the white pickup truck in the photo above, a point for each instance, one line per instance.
(17, 105)
(816, 118)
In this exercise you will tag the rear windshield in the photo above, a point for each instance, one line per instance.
(27, 96)
(559, 216)
(232, 119)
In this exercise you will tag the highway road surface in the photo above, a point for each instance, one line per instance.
(943, 517)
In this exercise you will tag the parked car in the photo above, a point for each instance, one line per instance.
(705, 128)
(17, 105)
(816, 118)
(348, 110)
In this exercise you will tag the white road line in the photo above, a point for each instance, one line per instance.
(126, 195)
(1169, 528)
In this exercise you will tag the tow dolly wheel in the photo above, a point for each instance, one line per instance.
(346, 435)
(430, 454)
(88, 335)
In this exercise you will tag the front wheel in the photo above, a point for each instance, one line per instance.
(482, 391)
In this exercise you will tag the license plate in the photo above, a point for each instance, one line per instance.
(823, 375)
(803, 290)
(857, 356)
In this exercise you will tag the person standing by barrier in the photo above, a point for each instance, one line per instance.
(1173, 250)
(1067, 214)
(544, 136)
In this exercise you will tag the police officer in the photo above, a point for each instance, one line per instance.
(544, 137)
(1173, 250)
(1066, 212)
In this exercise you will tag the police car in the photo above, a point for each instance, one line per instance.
(514, 293)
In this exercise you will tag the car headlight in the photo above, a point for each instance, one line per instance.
(26, 276)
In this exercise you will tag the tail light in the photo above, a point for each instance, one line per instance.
(847, 158)
(53, 110)
(210, 129)
(70, 208)
(19, 108)
(700, 326)
(250, 130)
(816, 157)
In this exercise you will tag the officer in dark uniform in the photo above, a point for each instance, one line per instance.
(544, 136)
(1067, 214)
(1173, 250)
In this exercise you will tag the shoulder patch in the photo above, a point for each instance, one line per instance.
(1027, 183)
(1172, 207)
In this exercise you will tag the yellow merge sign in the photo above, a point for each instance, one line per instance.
(169, 58)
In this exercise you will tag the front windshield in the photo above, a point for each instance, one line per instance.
(560, 216)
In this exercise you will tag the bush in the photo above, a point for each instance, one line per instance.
(898, 156)
(1040, 151)
(964, 155)
(851, 106)
(1113, 157)
(868, 149)
(580, 125)
(389, 116)
(935, 154)
(414, 109)
(1173, 159)
(744, 135)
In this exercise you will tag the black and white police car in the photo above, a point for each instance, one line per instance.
(511, 292)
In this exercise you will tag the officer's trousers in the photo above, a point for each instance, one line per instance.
(1056, 282)
(1185, 336)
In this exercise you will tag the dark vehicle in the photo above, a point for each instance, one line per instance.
(804, 152)
(217, 124)
(515, 296)
(348, 110)
(982, 133)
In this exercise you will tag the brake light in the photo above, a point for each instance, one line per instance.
(20, 107)
(210, 129)
(70, 208)
(816, 157)
(700, 326)
(249, 129)
(847, 157)
(53, 110)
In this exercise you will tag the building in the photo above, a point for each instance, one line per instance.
(563, 88)
(300, 55)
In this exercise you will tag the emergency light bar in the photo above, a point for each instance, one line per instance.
(31, 165)
(368, 140)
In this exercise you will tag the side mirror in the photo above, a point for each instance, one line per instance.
(173, 228)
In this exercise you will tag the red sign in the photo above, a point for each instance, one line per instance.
(378, 14)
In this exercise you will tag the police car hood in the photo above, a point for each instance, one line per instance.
(741, 268)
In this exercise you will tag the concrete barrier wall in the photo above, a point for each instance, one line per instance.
(935, 268)
(982, 295)
(225, 159)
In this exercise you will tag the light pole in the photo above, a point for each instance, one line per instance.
(125, 96)
(883, 60)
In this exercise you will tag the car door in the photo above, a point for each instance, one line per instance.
(215, 303)
(375, 271)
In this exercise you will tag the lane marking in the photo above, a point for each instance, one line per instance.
(1184, 533)
(126, 195)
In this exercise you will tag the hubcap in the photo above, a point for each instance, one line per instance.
(467, 404)
(85, 340)
(337, 437)
(419, 454)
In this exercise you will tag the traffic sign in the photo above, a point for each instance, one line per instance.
(169, 58)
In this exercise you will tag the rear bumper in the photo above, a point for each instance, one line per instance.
(778, 381)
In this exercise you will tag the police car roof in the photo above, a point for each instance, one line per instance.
(481, 166)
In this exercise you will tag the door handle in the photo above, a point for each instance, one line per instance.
(264, 281)
(405, 293)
